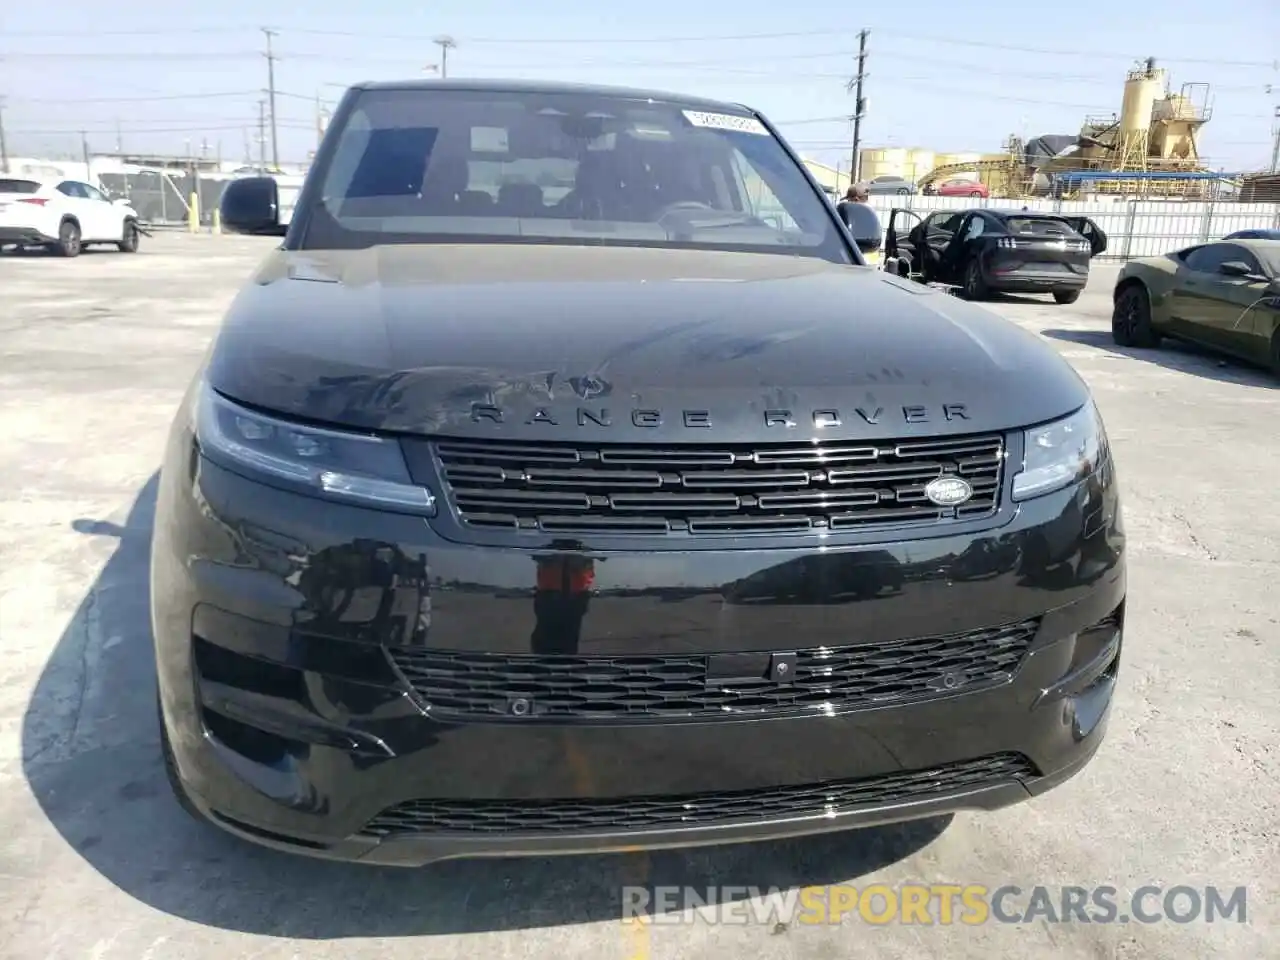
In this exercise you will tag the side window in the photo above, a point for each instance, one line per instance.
(70, 188)
(1245, 257)
(93, 193)
(945, 222)
(976, 226)
(1209, 258)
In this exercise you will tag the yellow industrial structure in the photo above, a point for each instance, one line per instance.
(1150, 146)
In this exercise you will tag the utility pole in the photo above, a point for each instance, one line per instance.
(1275, 150)
(4, 148)
(262, 136)
(445, 44)
(860, 105)
(84, 148)
(271, 92)
(119, 139)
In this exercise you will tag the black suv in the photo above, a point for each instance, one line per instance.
(566, 481)
(988, 251)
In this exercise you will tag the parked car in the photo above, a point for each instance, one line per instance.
(961, 188)
(1223, 295)
(1254, 234)
(892, 185)
(984, 251)
(64, 216)
(474, 536)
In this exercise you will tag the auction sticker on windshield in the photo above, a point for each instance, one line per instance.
(725, 121)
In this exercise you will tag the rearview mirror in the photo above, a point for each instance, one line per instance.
(252, 205)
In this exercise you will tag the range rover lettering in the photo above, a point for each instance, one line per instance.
(565, 480)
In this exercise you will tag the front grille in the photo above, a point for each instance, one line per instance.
(661, 490)
(696, 809)
(461, 684)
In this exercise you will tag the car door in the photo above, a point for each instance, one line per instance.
(1091, 232)
(1199, 307)
(955, 258)
(900, 239)
(1245, 304)
(940, 231)
(72, 199)
(108, 219)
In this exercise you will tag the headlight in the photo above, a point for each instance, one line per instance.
(1060, 453)
(356, 468)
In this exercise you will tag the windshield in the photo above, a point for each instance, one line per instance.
(414, 166)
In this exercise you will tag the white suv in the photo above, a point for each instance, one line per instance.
(64, 216)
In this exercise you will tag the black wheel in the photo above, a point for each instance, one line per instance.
(976, 193)
(130, 242)
(975, 288)
(904, 192)
(171, 767)
(1066, 296)
(1275, 352)
(1131, 319)
(69, 244)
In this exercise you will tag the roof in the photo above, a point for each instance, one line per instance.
(555, 87)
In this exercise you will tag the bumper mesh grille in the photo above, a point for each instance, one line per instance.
(654, 490)
(464, 684)
(698, 809)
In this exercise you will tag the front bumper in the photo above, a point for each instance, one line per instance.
(295, 638)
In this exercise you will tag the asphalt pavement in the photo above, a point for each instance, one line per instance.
(97, 861)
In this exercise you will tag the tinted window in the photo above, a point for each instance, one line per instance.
(18, 186)
(72, 189)
(457, 166)
(944, 222)
(93, 193)
(1038, 227)
(1208, 259)
(976, 226)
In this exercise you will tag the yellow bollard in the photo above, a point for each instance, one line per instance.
(217, 221)
(193, 213)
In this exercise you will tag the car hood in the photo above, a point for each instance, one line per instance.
(527, 341)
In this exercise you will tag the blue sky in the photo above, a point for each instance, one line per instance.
(938, 78)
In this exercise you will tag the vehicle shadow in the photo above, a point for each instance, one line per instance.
(1174, 355)
(91, 756)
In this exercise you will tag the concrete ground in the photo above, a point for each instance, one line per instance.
(97, 861)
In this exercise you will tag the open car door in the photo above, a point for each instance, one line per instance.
(1091, 232)
(901, 240)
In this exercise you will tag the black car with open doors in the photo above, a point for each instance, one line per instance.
(987, 251)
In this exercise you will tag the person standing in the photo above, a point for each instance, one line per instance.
(857, 193)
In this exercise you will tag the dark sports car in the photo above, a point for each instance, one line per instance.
(1223, 295)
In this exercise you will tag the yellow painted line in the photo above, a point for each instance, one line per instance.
(637, 931)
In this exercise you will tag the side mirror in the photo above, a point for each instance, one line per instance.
(1235, 268)
(868, 244)
(251, 205)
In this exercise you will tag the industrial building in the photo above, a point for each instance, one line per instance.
(1149, 148)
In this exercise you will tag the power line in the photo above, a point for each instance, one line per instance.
(1085, 54)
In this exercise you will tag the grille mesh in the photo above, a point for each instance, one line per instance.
(705, 809)
(463, 684)
(663, 490)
